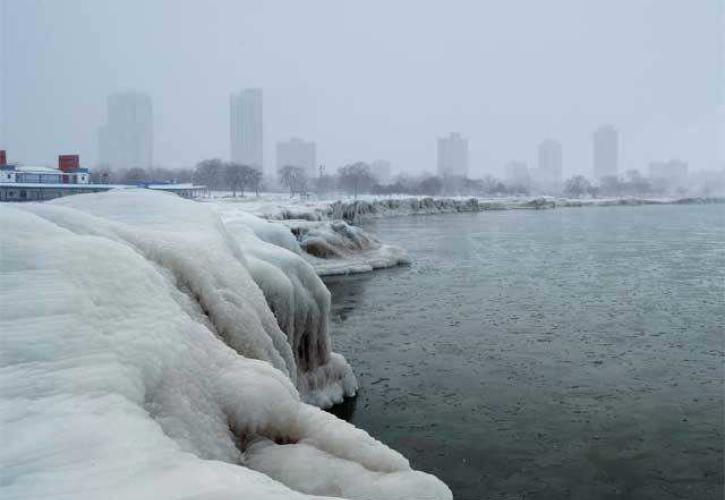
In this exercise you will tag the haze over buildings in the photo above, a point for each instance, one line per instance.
(605, 152)
(126, 139)
(246, 128)
(516, 173)
(550, 165)
(382, 170)
(673, 172)
(297, 153)
(453, 155)
(522, 72)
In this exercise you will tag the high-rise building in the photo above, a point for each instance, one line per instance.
(606, 152)
(245, 128)
(453, 155)
(672, 172)
(126, 139)
(517, 174)
(550, 156)
(297, 153)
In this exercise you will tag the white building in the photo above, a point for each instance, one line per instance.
(517, 174)
(297, 153)
(30, 183)
(69, 171)
(605, 152)
(673, 172)
(453, 156)
(550, 166)
(245, 128)
(126, 139)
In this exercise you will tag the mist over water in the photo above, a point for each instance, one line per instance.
(573, 353)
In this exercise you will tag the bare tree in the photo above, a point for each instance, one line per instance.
(210, 173)
(295, 178)
(355, 178)
(577, 186)
(234, 176)
(134, 175)
(432, 185)
(252, 179)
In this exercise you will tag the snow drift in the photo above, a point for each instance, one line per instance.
(141, 360)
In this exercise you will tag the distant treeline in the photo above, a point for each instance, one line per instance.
(357, 178)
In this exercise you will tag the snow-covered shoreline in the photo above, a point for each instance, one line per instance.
(153, 350)
(326, 236)
(279, 207)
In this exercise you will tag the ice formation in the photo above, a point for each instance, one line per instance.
(351, 211)
(331, 247)
(141, 360)
(339, 248)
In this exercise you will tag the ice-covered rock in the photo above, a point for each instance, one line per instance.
(140, 360)
(330, 246)
(336, 247)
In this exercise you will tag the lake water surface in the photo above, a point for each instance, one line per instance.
(570, 353)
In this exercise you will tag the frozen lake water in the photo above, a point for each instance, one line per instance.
(570, 353)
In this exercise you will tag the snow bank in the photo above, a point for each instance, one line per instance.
(140, 360)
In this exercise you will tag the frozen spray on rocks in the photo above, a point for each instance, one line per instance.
(150, 351)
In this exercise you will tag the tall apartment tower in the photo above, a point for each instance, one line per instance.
(453, 155)
(245, 128)
(297, 153)
(550, 158)
(606, 152)
(126, 139)
(517, 174)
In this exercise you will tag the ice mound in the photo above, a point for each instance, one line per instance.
(339, 248)
(331, 247)
(130, 322)
(354, 211)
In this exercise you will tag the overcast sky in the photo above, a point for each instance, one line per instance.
(372, 79)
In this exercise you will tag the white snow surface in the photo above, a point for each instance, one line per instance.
(140, 359)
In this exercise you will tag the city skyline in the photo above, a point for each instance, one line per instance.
(583, 77)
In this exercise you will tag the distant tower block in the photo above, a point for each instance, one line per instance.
(3, 158)
(605, 152)
(126, 139)
(453, 156)
(245, 128)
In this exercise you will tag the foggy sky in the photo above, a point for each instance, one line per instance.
(373, 79)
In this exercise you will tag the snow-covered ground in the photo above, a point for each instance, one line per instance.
(151, 349)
